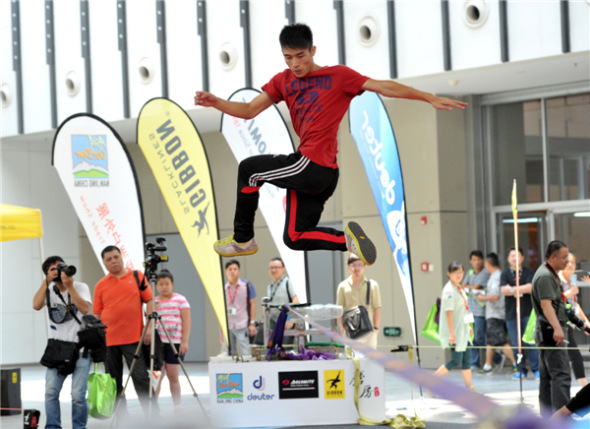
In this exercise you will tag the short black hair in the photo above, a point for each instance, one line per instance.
(277, 259)
(454, 266)
(232, 262)
(514, 248)
(492, 258)
(353, 258)
(477, 253)
(296, 36)
(554, 247)
(49, 262)
(109, 249)
(165, 274)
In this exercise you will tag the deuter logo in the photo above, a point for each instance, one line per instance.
(259, 383)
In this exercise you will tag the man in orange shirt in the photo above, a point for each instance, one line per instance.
(117, 303)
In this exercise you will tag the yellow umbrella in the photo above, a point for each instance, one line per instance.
(19, 223)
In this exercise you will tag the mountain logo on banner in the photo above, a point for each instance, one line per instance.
(230, 388)
(90, 161)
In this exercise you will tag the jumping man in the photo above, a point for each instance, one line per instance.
(317, 98)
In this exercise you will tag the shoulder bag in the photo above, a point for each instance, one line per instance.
(356, 320)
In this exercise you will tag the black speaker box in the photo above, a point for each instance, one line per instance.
(10, 391)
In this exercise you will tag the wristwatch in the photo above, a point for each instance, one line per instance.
(252, 322)
(376, 328)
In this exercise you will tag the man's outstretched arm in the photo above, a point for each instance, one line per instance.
(389, 88)
(234, 108)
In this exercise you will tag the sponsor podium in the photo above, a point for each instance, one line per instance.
(276, 393)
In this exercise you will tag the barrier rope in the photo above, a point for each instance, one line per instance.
(479, 405)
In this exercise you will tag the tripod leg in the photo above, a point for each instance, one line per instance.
(131, 367)
(177, 356)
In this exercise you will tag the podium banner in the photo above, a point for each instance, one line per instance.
(98, 175)
(267, 134)
(372, 131)
(175, 153)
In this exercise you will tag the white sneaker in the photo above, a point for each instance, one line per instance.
(229, 247)
(358, 243)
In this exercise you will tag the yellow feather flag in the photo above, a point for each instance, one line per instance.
(175, 153)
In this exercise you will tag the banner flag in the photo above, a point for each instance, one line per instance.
(99, 177)
(175, 153)
(372, 131)
(267, 134)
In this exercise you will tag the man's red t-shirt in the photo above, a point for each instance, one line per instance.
(317, 103)
(119, 303)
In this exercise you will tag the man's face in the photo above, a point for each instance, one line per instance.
(559, 259)
(476, 262)
(113, 262)
(276, 270)
(512, 259)
(299, 60)
(357, 268)
(232, 272)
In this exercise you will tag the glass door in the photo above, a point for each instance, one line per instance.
(532, 230)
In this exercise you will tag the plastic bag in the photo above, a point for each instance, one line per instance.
(528, 336)
(102, 393)
(430, 329)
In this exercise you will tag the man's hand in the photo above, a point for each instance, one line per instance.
(205, 99)
(481, 297)
(67, 281)
(558, 336)
(442, 103)
(51, 275)
(507, 290)
(252, 329)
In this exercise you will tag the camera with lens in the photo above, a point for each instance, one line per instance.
(152, 259)
(69, 270)
(575, 320)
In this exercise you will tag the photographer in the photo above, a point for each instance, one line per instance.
(66, 300)
(118, 299)
(548, 301)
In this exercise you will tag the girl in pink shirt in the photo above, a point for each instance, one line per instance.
(175, 312)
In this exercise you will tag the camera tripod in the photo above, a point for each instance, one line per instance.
(155, 317)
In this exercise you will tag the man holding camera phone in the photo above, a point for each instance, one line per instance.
(548, 301)
(66, 300)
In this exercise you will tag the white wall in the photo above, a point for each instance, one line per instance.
(29, 180)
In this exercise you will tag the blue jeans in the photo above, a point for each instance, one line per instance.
(53, 384)
(479, 338)
(532, 354)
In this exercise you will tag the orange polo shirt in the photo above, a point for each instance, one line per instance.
(119, 302)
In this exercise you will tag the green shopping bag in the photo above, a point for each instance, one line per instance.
(102, 393)
(528, 336)
(430, 329)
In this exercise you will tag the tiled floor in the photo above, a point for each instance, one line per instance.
(437, 413)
